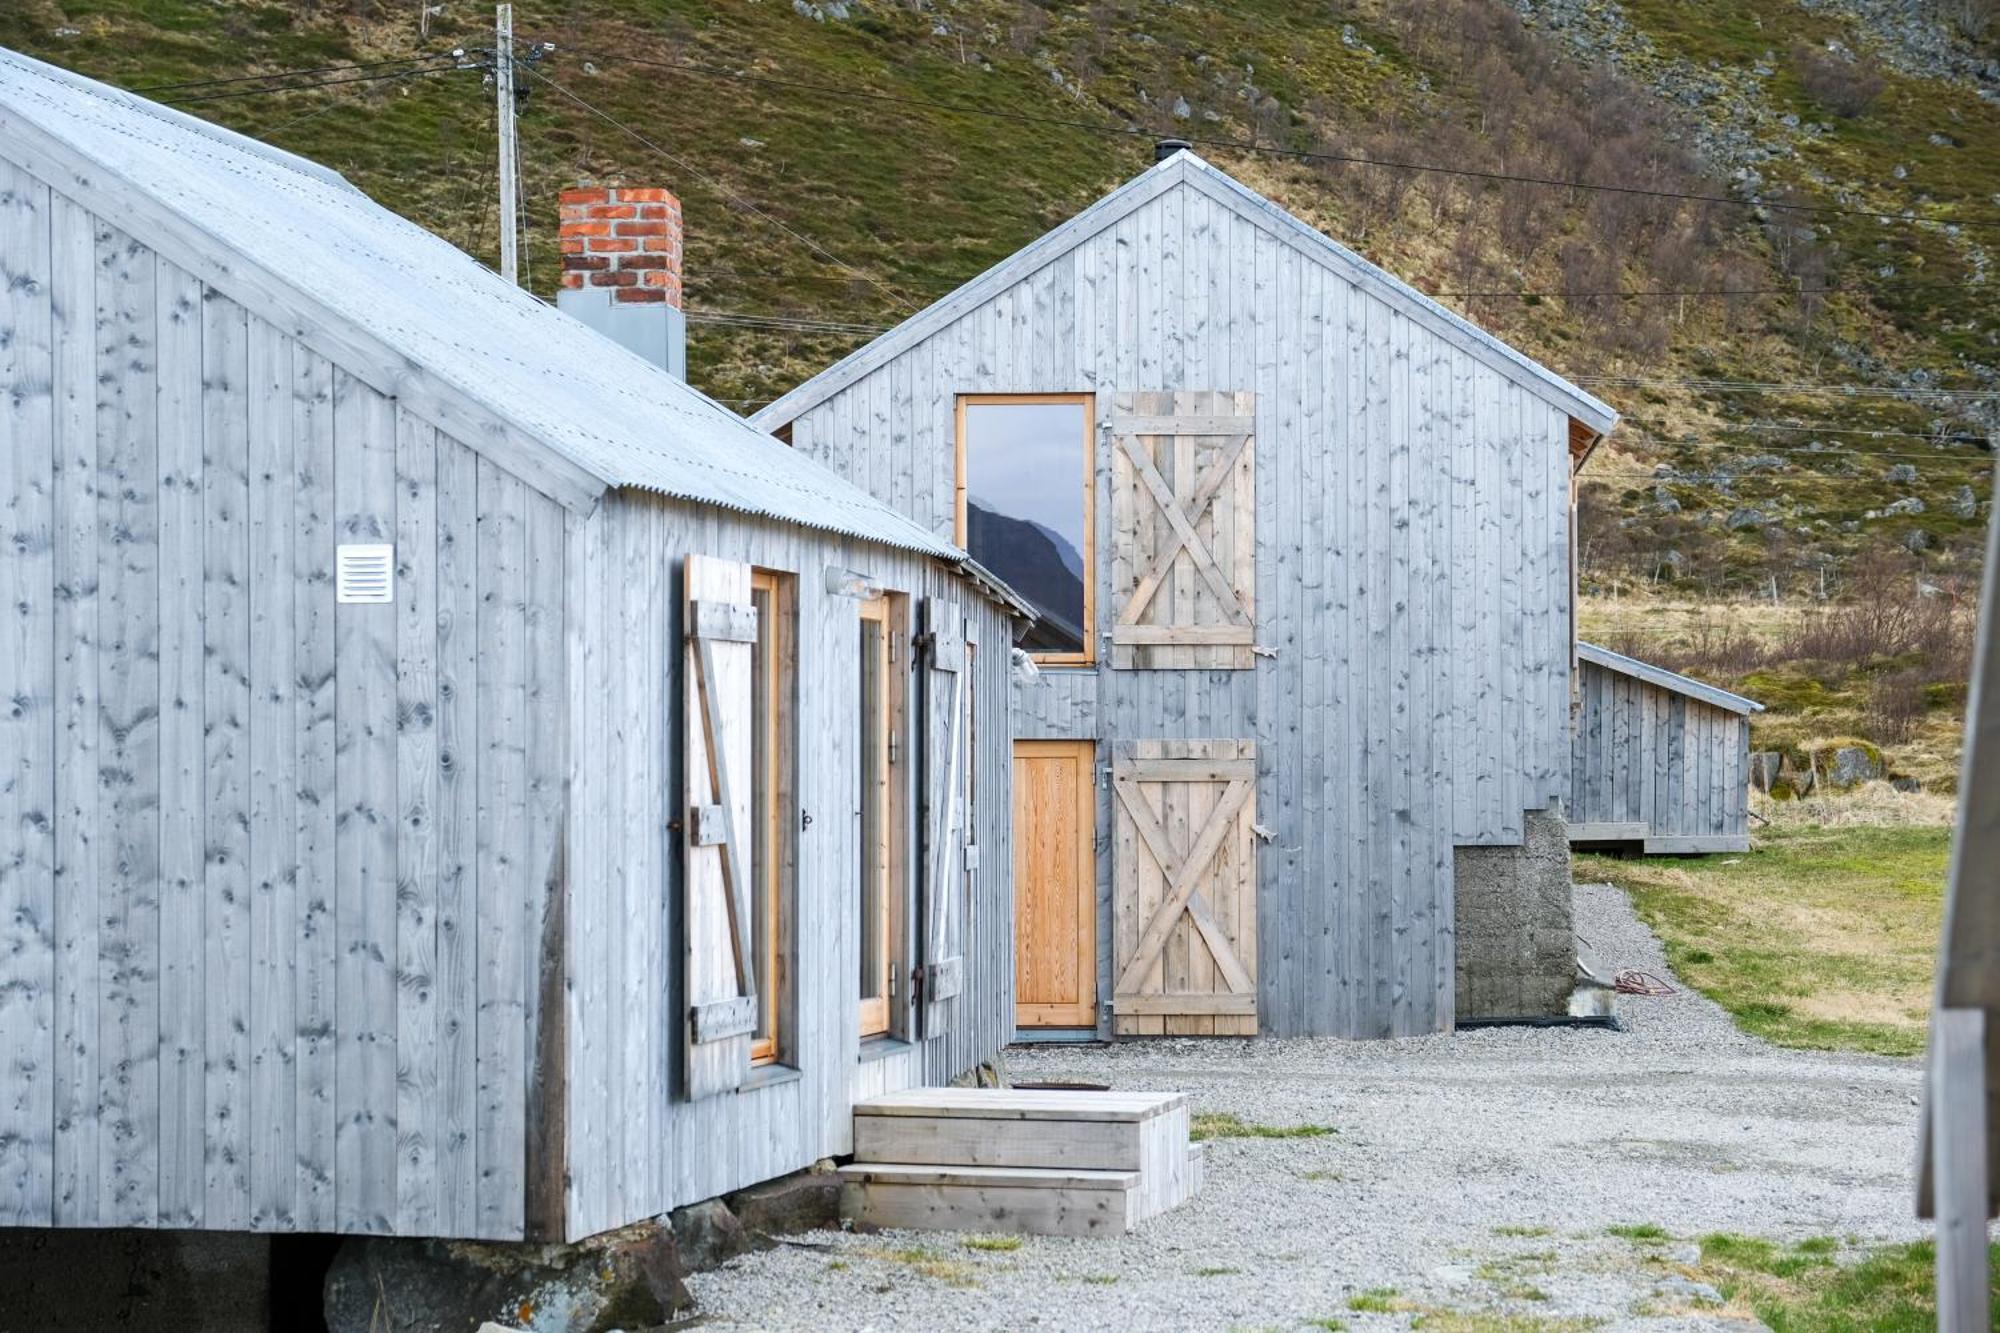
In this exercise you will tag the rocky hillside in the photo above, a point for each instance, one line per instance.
(845, 161)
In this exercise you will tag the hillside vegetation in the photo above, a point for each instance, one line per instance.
(781, 120)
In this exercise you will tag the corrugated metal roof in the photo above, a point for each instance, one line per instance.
(1665, 679)
(605, 410)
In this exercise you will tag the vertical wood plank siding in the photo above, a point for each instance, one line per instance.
(1412, 536)
(1647, 755)
(635, 1145)
(271, 869)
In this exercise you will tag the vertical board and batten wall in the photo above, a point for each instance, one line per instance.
(1654, 764)
(365, 918)
(274, 867)
(1411, 688)
(636, 1144)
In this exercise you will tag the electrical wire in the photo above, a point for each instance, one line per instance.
(1252, 146)
(334, 106)
(309, 87)
(150, 89)
(1800, 387)
(812, 245)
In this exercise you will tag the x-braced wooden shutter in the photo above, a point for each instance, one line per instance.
(1183, 530)
(1184, 888)
(721, 633)
(947, 737)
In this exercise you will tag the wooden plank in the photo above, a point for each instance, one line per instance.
(1038, 1210)
(316, 782)
(1183, 1002)
(500, 914)
(128, 835)
(948, 1140)
(459, 766)
(418, 1107)
(73, 337)
(183, 756)
(364, 908)
(1959, 1104)
(273, 868)
(225, 347)
(28, 725)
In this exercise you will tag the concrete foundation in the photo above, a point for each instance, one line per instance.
(1516, 933)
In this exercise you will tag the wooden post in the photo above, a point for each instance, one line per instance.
(503, 84)
(1959, 1167)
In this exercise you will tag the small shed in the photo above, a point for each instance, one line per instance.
(457, 780)
(1299, 541)
(1659, 762)
(1958, 1165)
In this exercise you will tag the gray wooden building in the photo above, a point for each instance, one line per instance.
(456, 780)
(1660, 762)
(1299, 539)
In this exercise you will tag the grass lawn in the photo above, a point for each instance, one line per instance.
(1822, 937)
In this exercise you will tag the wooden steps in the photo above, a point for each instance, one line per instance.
(1046, 1163)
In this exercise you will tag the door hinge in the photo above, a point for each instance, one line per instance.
(895, 749)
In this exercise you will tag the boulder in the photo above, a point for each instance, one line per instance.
(1902, 474)
(1916, 541)
(631, 1278)
(1909, 504)
(708, 1234)
(1906, 785)
(1740, 519)
(1964, 504)
(1765, 765)
(802, 1201)
(1853, 765)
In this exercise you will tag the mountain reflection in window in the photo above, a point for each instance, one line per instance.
(1026, 517)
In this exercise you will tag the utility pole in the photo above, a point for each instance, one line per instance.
(503, 83)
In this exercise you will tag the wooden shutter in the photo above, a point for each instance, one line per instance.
(947, 738)
(1183, 530)
(1184, 888)
(721, 633)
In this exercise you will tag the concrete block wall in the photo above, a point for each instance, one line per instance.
(1516, 931)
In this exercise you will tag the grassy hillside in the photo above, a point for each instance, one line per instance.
(778, 121)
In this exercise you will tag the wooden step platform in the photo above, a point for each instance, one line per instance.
(1034, 1161)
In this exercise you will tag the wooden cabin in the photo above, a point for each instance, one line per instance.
(1660, 762)
(1958, 1161)
(1298, 538)
(457, 780)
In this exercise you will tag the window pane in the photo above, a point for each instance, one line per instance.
(873, 778)
(1025, 514)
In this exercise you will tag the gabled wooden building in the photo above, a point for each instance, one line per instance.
(1299, 538)
(456, 780)
(1660, 762)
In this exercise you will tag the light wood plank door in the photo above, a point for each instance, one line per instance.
(1055, 885)
(1184, 888)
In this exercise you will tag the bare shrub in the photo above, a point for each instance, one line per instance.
(1844, 87)
(1972, 19)
(1883, 618)
(1896, 704)
(1712, 648)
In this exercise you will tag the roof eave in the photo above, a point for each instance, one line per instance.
(1598, 655)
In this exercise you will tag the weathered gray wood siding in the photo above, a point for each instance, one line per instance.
(635, 1145)
(1412, 580)
(1647, 755)
(271, 868)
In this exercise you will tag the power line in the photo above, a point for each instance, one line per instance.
(332, 107)
(1252, 146)
(717, 185)
(288, 73)
(1799, 387)
(308, 87)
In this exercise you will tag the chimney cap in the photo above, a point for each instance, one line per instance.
(1166, 148)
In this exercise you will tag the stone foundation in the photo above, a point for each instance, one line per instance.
(1516, 936)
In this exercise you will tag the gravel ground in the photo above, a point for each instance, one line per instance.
(1473, 1172)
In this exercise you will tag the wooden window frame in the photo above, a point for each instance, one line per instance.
(1088, 657)
(777, 648)
(877, 1016)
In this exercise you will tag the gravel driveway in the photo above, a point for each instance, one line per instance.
(1474, 1172)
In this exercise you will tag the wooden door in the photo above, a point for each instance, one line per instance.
(1055, 885)
(1184, 888)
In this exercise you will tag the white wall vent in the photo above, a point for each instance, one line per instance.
(364, 573)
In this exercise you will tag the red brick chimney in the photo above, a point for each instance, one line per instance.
(621, 251)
